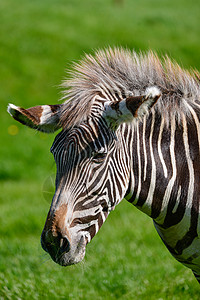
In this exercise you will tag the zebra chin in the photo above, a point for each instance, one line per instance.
(68, 259)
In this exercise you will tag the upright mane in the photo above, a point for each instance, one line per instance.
(120, 72)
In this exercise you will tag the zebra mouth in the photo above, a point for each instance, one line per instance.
(75, 255)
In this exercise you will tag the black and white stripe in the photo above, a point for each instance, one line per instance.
(172, 196)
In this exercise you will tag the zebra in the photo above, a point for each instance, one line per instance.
(130, 129)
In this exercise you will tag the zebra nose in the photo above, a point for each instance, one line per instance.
(55, 245)
(64, 245)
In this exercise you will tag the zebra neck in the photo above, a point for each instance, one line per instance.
(165, 169)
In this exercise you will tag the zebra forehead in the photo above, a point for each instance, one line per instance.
(113, 74)
(86, 134)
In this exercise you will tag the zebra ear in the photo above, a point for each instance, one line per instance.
(43, 118)
(130, 108)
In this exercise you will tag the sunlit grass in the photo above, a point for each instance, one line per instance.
(38, 40)
(126, 259)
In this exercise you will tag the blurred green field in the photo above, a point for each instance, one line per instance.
(38, 41)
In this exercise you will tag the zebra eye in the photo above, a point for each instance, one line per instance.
(98, 156)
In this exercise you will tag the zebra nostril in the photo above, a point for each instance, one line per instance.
(64, 245)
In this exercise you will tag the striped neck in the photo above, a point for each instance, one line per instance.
(165, 160)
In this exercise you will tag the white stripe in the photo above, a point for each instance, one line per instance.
(190, 164)
(147, 205)
(80, 227)
(173, 178)
(96, 226)
(103, 216)
(132, 177)
(144, 148)
(139, 162)
(177, 200)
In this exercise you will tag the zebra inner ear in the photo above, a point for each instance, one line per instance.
(43, 118)
(130, 108)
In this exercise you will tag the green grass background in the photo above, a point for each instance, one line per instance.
(38, 41)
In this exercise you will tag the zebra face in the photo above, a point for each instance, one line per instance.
(93, 169)
(84, 197)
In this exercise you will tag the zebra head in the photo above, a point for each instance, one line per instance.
(92, 169)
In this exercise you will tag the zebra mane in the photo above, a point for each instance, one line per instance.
(118, 73)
